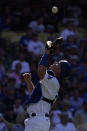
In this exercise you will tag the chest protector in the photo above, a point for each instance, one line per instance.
(37, 95)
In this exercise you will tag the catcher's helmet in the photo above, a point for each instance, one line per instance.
(65, 69)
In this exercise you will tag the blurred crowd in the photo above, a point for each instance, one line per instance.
(69, 112)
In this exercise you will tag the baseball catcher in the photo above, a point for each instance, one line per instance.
(46, 90)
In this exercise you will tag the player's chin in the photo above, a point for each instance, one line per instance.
(51, 67)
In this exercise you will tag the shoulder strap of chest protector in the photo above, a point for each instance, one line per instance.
(48, 100)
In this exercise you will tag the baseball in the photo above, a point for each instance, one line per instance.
(54, 9)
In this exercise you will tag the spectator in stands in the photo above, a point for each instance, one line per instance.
(73, 50)
(83, 110)
(85, 54)
(65, 108)
(26, 16)
(38, 25)
(83, 90)
(18, 126)
(73, 12)
(4, 89)
(35, 46)
(6, 19)
(74, 60)
(25, 65)
(5, 80)
(10, 99)
(55, 114)
(2, 70)
(2, 52)
(24, 41)
(9, 115)
(82, 113)
(76, 10)
(65, 125)
(7, 24)
(3, 126)
(68, 31)
(18, 108)
(75, 100)
(79, 122)
(16, 74)
(50, 29)
(16, 24)
(23, 94)
(70, 41)
(12, 83)
(82, 47)
(82, 72)
(2, 106)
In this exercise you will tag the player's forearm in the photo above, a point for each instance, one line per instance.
(30, 86)
(44, 60)
(43, 64)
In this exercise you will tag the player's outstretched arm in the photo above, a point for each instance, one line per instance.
(27, 78)
(43, 64)
(44, 60)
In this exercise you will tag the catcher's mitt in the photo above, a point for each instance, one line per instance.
(52, 45)
(58, 41)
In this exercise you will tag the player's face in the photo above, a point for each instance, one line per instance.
(55, 67)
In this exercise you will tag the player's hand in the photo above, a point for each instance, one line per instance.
(27, 77)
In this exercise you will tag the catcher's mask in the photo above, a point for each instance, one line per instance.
(65, 69)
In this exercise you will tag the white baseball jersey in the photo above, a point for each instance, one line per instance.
(50, 87)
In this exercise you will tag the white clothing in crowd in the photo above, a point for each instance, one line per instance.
(36, 27)
(25, 66)
(56, 116)
(18, 109)
(36, 47)
(66, 32)
(68, 127)
(3, 127)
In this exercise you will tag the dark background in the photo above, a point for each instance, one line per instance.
(46, 4)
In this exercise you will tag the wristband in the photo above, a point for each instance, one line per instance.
(44, 60)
